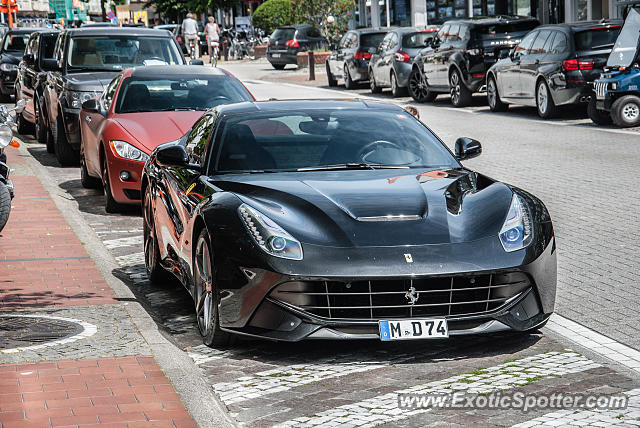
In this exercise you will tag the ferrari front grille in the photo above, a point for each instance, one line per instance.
(459, 295)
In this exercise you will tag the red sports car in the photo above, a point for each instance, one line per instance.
(141, 108)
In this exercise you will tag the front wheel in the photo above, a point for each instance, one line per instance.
(419, 88)
(87, 181)
(64, 152)
(22, 126)
(5, 205)
(544, 101)
(375, 89)
(332, 80)
(625, 111)
(493, 97)
(348, 83)
(599, 117)
(156, 273)
(460, 94)
(40, 126)
(110, 204)
(396, 91)
(206, 294)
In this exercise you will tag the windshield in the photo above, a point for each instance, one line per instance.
(598, 38)
(15, 42)
(193, 93)
(313, 139)
(624, 50)
(118, 52)
(416, 40)
(371, 40)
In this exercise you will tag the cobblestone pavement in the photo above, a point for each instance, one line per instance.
(324, 383)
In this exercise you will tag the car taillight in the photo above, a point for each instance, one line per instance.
(585, 65)
(179, 39)
(478, 76)
(361, 55)
(292, 44)
(428, 31)
(402, 57)
(570, 64)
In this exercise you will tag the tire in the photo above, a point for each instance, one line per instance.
(40, 128)
(625, 111)
(5, 205)
(419, 88)
(599, 117)
(460, 94)
(110, 204)
(64, 152)
(332, 80)
(205, 295)
(375, 89)
(22, 126)
(278, 66)
(396, 91)
(493, 97)
(87, 181)
(156, 273)
(544, 102)
(348, 83)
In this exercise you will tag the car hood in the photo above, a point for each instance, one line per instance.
(11, 57)
(92, 81)
(377, 208)
(151, 129)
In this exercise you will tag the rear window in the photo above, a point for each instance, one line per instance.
(283, 34)
(600, 38)
(499, 30)
(371, 40)
(416, 40)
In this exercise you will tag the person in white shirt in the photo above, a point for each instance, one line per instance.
(190, 35)
(212, 30)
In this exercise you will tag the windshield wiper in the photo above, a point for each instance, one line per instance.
(179, 109)
(351, 166)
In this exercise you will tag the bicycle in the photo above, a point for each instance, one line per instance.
(215, 56)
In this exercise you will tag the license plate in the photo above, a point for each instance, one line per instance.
(275, 55)
(428, 328)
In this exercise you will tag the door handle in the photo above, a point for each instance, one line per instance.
(537, 62)
(88, 118)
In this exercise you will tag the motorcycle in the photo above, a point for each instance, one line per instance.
(6, 139)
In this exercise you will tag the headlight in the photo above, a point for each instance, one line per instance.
(77, 98)
(516, 232)
(614, 86)
(6, 67)
(269, 236)
(6, 135)
(127, 151)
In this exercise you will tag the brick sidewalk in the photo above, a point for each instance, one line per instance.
(43, 265)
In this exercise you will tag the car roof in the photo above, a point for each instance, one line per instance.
(585, 25)
(306, 104)
(297, 26)
(374, 30)
(27, 30)
(121, 31)
(490, 20)
(159, 71)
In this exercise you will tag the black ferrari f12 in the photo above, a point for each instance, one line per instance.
(320, 219)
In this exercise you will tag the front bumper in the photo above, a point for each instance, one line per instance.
(258, 309)
(125, 191)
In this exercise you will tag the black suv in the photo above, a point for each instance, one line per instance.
(460, 55)
(285, 43)
(350, 61)
(553, 65)
(31, 81)
(87, 59)
(11, 50)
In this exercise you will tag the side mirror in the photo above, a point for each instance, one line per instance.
(28, 59)
(467, 148)
(196, 62)
(92, 106)
(174, 155)
(50, 64)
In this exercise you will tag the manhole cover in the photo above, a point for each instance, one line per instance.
(22, 331)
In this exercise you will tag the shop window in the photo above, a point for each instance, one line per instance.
(581, 10)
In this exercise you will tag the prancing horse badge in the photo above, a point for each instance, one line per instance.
(408, 258)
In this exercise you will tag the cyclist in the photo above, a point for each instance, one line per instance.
(190, 35)
(212, 31)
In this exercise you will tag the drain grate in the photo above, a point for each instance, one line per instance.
(27, 331)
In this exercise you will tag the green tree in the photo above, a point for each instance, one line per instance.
(179, 8)
(317, 12)
(272, 14)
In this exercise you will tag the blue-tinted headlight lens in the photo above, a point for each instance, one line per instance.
(516, 232)
(269, 236)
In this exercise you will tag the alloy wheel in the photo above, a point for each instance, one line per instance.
(204, 288)
(149, 235)
(492, 93)
(418, 86)
(631, 112)
(543, 98)
(455, 87)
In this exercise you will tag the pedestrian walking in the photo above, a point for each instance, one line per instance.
(212, 32)
(190, 35)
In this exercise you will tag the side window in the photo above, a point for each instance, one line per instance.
(538, 46)
(386, 42)
(549, 42)
(442, 34)
(453, 35)
(313, 32)
(30, 45)
(525, 44)
(345, 41)
(393, 43)
(464, 32)
(58, 55)
(199, 137)
(110, 92)
(560, 44)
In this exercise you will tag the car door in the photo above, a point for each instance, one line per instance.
(530, 64)
(387, 59)
(433, 57)
(55, 80)
(559, 51)
(27, 75)
(377, 58)
(338, 58)
(445, 50)
(509, 76)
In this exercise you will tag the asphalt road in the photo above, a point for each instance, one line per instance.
(585, 175)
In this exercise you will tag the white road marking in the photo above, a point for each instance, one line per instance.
(123, 242)
(87, 331)
(627, 417)
(383, 409)
(596, 342)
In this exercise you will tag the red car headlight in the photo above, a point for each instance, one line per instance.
(124, 150)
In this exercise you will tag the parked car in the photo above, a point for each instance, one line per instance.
(86, 61)
(553, 65)
(141, 108)
(391, 63)
(11, 51)
(279, 245)
(285, 43)
(461, 53)
(31, 82)
(350, 61)
(617, 91)
(175, 30)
